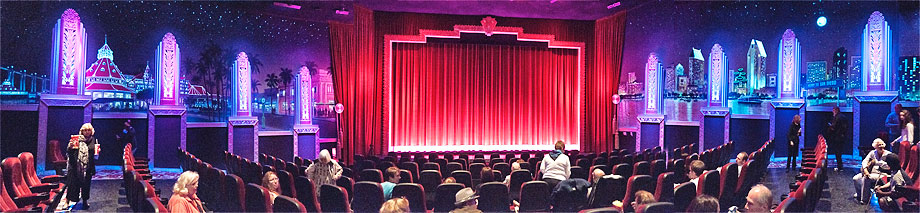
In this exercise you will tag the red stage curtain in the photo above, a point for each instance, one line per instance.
(602, 83)
(450, 96)
(358, 86)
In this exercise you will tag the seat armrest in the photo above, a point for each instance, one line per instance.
(52, 179)
(30, 200)
(45, 187)
(910, 192)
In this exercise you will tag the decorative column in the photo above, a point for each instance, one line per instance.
(715, 125)
(167, 124)
(788, 102)
(651, 123)
(305, 137)
(873, 103)
(243, 128)
(61, 113)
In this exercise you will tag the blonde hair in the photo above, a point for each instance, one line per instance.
(395, 205)
(88, 127)
(186, 178)
(324, 156)
(267, 184)
(560, 145)
(878, 143)
(644, 197)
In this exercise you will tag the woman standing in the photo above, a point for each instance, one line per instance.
(324, 171)
(556, 166)
(795, 130)
(907, 129)
(81, 164)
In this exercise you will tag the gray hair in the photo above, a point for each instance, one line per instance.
(324, 156)
(763, 195)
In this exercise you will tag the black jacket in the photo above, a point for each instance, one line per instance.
(73, 155)
(793, 134)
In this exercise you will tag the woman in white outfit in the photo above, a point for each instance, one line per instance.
(556, 166)
(870, 173)
(907, 129)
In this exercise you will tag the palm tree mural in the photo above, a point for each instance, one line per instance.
(287, 75)
(272, 82)
(255, 86)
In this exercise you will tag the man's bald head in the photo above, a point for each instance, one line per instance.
(759, 199)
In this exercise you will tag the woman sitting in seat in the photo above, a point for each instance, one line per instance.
(185, 198)
(270, 182)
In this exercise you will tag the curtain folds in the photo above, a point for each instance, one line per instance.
(602, 83)
(457, 96)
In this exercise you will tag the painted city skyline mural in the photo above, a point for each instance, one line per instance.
(195, 45)
(826, 51)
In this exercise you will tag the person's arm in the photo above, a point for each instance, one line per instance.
(892, 121)
(337, 169)
(910, 132)
(543, 164)
(567, 167)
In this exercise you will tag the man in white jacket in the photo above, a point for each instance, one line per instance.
(555, 166)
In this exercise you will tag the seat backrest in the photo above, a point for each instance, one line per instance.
(658, 166)
(683, 194)
(745, 179)
(286, 180)
(383, 165)
(912, 167)
(636, 183)
(372, 175)
(287, 204)
(12, 175)
(476, 170)
(709, 184)
(235, 193)
(412, 192)
(307, 193)
(412, 167)
(153, 205)
(604, 168)
(728, 180)
(445, 195)
(54, 151)
(622, 169)
(28, 169)
(333, 199)
(535, 196)
(431, 166)
(518, 178)
(257, 199)
(664, 191)
(607, 189)
(430, 179)
(493, 197)
(453, 166)
(656, 207)
(578, 172)
(904, 152)
(405, 176)
(346, 183)
(790, 204)
(368, 197)
(641, 168)
(6, 202)
(502, 167)
(583, 163)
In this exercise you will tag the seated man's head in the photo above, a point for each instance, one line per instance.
(759, 199)
(466, 197)
(395, 205)
(392, 175)
(696, 169)
(892, 163)
(643, 197)
(741, 158)
(515, 166)
(597, 175)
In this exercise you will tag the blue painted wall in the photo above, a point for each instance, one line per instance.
(714, 134)
(278, 146)
(748, 134)
(20, 133)
(208, 144)
(167, 141)
(677, 136)
(649, 136)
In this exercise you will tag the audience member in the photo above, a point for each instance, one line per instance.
(184, 197)
(870, 172)
(595, 177)
(555, 166)
(704, 203)
(795, 130)
(392, 178)
(270, 182)
(395, 205)
(643, 197)
(887, 193)
(466, 201)
(486, 175)
(693, 173)
(907, 130)
(450, 180)
(893, 122)
(516, 165)
(759, 199)
(324, 170)
(81, 164)
(740, 159)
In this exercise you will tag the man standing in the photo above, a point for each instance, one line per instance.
(893, 122)
(836, 135)
(126, 136)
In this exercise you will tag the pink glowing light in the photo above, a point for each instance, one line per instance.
(286, 5)
(244, 93)
(70, 53)
(876, 53)
(306, 95)
(651, 84)
(615, 4)
(716, 71)
(342, 12)
(168, 68)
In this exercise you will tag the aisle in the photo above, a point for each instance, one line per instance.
(837, 197)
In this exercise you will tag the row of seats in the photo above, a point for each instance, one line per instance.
(910, 163)
(21, 188)
(140, 192)
(806, 191)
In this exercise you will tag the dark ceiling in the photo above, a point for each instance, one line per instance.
(322, 11)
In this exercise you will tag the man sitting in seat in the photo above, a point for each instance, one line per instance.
(467, 201)
(514, 167)
(696, 169)
(887, 193)
(759, 199)
(739, 159)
